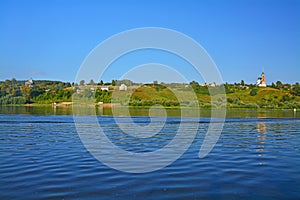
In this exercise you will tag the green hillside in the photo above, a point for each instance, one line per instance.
(254, 98)
(276, 96)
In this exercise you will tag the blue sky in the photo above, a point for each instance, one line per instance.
(50, 39)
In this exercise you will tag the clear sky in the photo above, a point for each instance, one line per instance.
(50, 39)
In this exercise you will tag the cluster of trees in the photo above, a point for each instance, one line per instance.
(285, 102)
(45, 91)
(112, 83)
(103, 96)
(8, 99)
(199, 89)
(16, 92)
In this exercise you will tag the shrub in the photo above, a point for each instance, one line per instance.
(251, 105)
(296, 90)
(230, 100)
(12, 100)
(253, 92)
(285, 98)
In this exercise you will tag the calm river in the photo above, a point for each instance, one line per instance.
(256, 157)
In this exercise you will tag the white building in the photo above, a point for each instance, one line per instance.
(213, 84)
(105, 87)
(29, 83)
(261, 81)
(123, 87)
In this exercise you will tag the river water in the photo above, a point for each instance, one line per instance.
(256, 157)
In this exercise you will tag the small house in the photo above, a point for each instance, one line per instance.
(29, 83)
(213, 84)
(105, 87)
(123, 87)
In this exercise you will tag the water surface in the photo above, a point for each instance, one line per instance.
(67, 110)
(42, 157)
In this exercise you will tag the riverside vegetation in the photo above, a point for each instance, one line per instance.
(239, 95)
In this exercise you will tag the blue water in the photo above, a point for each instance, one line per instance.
(42, 157)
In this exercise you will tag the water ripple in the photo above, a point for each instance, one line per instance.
(42, 157)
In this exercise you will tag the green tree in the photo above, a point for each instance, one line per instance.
(273, 85)
(113, 82)
(68, 84)
(7, 82)
(26, 93)
(82, 82)
(296, 90)
(194, 84)
(91, 82)
(285, 98)
(242, 83)
(278, 85)
(253, 92)
(36, 91)
(13, 81)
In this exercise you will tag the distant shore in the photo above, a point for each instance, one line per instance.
(168, 95)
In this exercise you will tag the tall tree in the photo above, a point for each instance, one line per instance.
(296, 90)
(242, 83)
(278, 85)
(13, 81)
(82, 82)
(25, 89)
(91, 82)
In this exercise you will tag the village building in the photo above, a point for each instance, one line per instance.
(105, 87)
(79, 91)
(123, 87)
(212, 84)
(261, 81)
(29, 83)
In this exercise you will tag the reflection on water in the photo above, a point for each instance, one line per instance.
(106, 111)
(261, 127)
(261, 138)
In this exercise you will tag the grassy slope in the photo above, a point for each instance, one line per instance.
(241, 97)
(269, 95)
(263, 93)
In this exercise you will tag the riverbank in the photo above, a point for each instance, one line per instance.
(110, 105)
